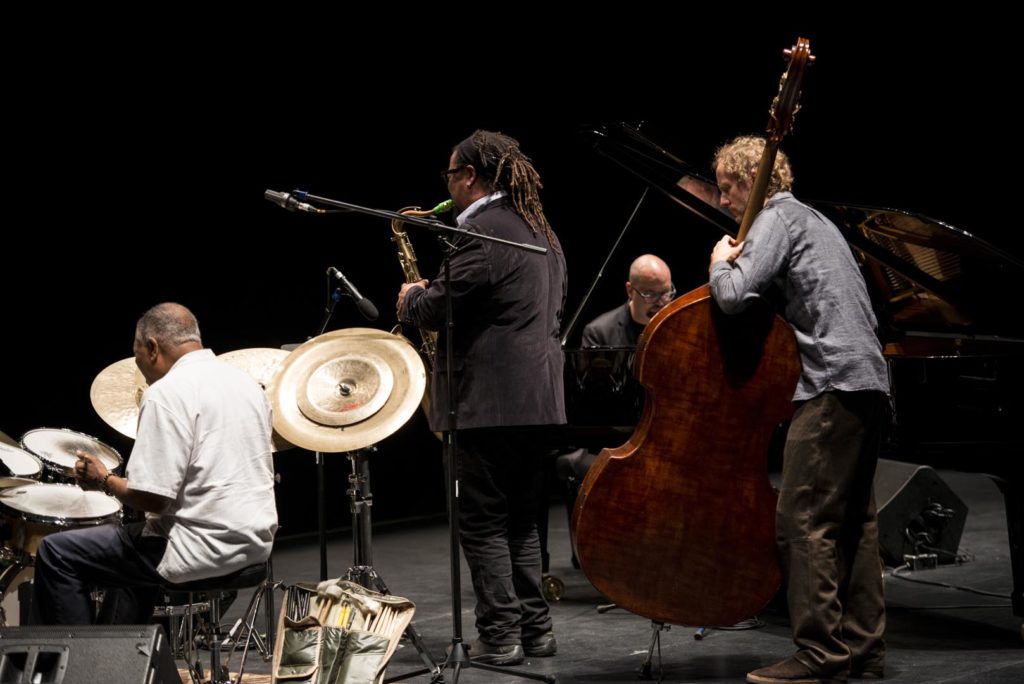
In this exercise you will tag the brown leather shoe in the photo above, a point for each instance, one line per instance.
(789, 671)
(868, 672)
(870, 667)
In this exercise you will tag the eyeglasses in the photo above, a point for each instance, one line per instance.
(446, 175)
(667, 295)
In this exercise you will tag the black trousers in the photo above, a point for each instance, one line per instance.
(70, 565)
(501, 482)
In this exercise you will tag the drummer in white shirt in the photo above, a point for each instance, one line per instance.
(201, 470)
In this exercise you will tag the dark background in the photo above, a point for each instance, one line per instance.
(137, 167)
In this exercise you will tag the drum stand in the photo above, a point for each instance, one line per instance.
(361, 571)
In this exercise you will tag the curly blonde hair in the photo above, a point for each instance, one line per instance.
(741, 156)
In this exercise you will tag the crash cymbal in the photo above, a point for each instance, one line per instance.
(8, 482)
(116, 393)
(261, 364)
(7, 440)
(347, 389)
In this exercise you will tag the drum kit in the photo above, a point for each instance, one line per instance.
(40, 497)
(339, 392)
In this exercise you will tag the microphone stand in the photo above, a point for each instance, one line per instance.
(423, 221)
(321, 473)
(458, 656)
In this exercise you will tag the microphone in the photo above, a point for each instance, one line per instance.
(364, 305)
(286, 201)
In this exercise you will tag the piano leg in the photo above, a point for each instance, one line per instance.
(1012, 493)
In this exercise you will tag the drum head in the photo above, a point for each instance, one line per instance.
(59, 504)
(56, 448)
(20, 462)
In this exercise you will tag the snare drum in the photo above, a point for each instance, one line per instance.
(36, 510)
(20, 462)
(56, 449)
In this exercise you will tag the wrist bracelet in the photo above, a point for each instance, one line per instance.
(105, 486)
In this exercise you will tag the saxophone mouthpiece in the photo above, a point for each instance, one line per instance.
(443, 207)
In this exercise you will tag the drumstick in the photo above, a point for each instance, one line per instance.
(385, 616)
(343, 614)
(375, 621)
(332, 595)
(381, 616)
(368, 608)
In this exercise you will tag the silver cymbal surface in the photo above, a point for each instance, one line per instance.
(347, 389)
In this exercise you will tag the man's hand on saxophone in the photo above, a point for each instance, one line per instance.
(405, 288)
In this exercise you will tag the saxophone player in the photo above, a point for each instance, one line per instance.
(507, 309)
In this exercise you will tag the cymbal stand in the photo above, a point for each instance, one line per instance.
(321, 473)
(361, 571)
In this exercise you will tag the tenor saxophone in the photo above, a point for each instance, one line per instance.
(407, 259)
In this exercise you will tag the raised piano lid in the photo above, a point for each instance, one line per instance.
(936, 289)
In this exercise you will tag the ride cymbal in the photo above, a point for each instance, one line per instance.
(261, 364)
(117, 391)
(347, 389)
(116, 394)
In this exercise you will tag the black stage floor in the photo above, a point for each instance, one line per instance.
(935, 634)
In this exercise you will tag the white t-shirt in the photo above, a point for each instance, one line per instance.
(204, 442)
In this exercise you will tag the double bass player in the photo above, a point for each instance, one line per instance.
(826, 525)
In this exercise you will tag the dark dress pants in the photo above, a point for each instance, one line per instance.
(117, 559)
(501, 482)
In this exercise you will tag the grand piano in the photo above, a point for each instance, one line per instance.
(955, 350)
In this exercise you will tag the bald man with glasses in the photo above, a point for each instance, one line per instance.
(648, 290)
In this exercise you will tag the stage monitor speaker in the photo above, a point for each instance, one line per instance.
(917, 513)
(115, 654)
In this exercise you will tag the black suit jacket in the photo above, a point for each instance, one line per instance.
(507, 308)
(614, 328)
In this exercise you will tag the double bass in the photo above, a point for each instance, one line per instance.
(677, 524)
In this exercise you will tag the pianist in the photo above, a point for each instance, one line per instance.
(648, 290)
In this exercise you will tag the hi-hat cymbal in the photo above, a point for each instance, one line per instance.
(7, 440)
(347, 389)
(261, 364)
(116, 393)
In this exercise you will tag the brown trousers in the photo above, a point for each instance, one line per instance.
(828, 532)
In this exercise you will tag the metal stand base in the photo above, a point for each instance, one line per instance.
(645, 668)
(361, 571)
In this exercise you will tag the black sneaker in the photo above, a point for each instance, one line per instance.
(541, 646)
(489, 654)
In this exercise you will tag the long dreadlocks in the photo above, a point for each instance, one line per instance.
(499, 161)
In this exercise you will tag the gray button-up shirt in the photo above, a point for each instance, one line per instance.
(826, 302)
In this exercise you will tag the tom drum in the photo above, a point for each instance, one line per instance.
(56, 448)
